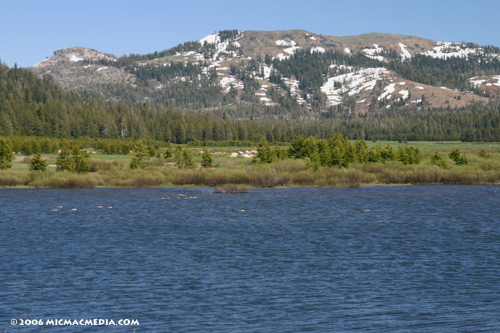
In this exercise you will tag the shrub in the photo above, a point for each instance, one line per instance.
(96, 165)
(269, 179)
(11, 178)
(66, 180)
(216, 178)
(236, 188)
(75, 161)
(439, 160)
(290, 165)
(355, 178)
(145, 180)
(134, 163)
(409, 155)
(483, 153)
(188, 177)
(168, 153)
(459, 159)
(393, 176)
(304, 178)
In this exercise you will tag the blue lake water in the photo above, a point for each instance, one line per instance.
(422, 259)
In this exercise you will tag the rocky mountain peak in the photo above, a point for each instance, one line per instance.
(75, 54)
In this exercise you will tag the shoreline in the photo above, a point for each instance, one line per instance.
(251, 188)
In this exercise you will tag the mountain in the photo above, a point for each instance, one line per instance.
(74, 68)
(292, 73)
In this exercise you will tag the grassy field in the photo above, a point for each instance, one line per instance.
(114, 171)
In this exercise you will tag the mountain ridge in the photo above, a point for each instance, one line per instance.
(288, 69)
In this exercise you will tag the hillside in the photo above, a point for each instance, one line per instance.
(31, 106)
(295, 73)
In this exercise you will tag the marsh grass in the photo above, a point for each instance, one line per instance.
(13, 178)
(234, 173)
(64, 179)
(103, 165)
(237, 188)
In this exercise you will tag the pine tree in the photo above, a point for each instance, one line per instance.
(458, 158)
(151, 151)
(483, 153)
(134, 163)
(439, 160)
(80, 161)
(361, 151)
(64, 161)
(5, 155)
(168, 153)
(409, 155)
(188, 159)
(206, 158)
(141, 152)
(179, 157)
(38, 163)
(263, 152)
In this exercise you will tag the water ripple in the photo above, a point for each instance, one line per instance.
(423, 258)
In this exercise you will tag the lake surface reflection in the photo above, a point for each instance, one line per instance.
(423, 258)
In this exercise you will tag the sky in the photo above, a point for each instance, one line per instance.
(32, 30)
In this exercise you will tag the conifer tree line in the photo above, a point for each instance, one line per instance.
(33, 107)
(336, 151)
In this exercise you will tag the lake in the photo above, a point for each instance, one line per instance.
(374, 259)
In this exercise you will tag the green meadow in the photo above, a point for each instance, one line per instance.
(112, 170)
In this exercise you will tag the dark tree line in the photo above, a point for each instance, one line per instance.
(30, 106)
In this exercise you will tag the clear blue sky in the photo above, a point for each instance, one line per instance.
(32, 30)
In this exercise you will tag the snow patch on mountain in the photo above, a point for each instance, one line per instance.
(74, 54)
(281, 57)
(221, 48)
(445, 50)
(387, 90)
(291, 50)
(267, 72)
(317, 49)
(406, 54)
(228, 82)
(351, 83)
(210, 39)
(285, 43)
(40, 62)
(477, 82)
(497, 77)
(405, 93)
(374, 53)
(75, 58)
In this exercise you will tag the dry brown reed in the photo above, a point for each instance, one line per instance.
(64, 179)
(236, 176)
(218, 190)
(102, 165)
(237, 188)
(13, 178)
